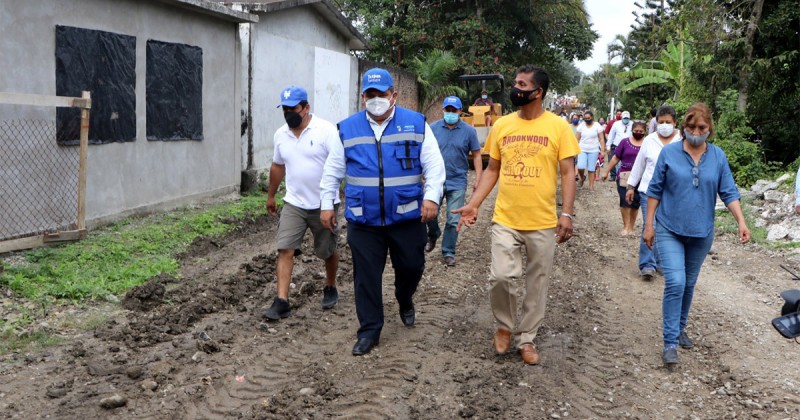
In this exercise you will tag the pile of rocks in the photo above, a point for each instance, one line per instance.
(775, 209)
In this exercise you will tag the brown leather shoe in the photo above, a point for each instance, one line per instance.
(529, 354)
(502, 341)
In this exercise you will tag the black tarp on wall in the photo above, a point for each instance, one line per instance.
(105, 64)
(174, 91)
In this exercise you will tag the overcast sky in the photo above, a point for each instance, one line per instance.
(609, 18)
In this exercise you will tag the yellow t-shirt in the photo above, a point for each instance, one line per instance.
(529, 152)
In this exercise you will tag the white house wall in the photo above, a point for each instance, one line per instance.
(142, 175)
(297, 46)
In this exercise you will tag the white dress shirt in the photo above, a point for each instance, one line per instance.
(645, 164)
(618, 132)
(430, 158)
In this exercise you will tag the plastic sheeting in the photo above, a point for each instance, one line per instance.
(174, 91)
(105, 64)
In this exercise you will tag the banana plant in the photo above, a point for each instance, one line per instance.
(671, 70)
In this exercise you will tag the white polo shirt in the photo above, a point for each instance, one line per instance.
(304, 158)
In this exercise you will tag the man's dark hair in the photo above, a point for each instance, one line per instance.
(653, 112)
(539, 76)
(589, 113)
(667, 110)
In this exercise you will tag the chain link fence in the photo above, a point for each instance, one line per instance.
(40, 181)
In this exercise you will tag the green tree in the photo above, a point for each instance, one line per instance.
(485, 36)
(600, 87)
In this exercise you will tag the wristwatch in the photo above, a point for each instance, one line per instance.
(571, 216)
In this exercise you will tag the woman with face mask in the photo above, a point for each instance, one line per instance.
(688, 177)
(626, 154)
(591, 139)
(640, 175)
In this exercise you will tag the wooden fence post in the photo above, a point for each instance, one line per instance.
(84, 150)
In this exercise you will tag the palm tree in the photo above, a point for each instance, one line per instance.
(433, 75)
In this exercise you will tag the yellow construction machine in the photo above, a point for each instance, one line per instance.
(483, 113)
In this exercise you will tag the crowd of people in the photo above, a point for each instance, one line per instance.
(398, 170)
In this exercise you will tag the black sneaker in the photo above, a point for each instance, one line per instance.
(684, 340)
(330, 297)
(280, 309)
(670, 355)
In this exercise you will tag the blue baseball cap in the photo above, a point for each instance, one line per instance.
(293, 95)
(452, 101)
(376, 78)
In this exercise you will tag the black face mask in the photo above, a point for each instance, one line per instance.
(588, 121)
(293, 119)
(521, 97)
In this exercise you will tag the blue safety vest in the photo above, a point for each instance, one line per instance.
(384, 178)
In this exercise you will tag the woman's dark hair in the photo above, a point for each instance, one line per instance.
(639, 123)
(588, 113)
(667, 110)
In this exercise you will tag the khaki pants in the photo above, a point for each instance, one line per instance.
(507, 248)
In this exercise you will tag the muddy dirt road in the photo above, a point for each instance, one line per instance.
(197, 348)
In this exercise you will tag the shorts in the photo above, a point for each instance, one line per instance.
(588, 159)
(292, 227)
(623, 204)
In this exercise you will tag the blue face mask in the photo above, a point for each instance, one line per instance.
(450, 117)
(626, 121)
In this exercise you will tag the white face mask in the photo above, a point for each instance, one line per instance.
(665, 130)
(378, 106)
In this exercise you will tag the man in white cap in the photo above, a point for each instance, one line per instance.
(456, 139)
(301, 147)
(384, 154)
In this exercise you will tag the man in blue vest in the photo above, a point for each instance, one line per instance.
(385, 153)
(456, 139)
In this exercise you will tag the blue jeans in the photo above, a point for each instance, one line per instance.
(681, 257)
(455, 199)
(648, 258)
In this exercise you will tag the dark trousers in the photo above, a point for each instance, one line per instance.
(368, 245)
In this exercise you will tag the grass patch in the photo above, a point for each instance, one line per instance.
(12, 342)
(123, 255)
(727, 224)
